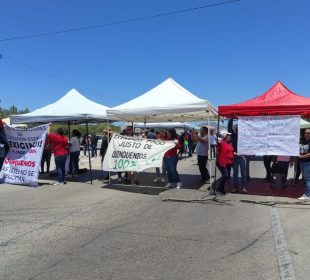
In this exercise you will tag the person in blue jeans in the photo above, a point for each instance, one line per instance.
(60, 145)
(171, 161)
(239, 160)
(304, 159)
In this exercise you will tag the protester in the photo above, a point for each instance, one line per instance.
(212, 144)
(103, 149)
(74, 153)
(202, 150)
(183, 146)
(304, 158)
(94, 141)
(127, 179)
(225, 157)
(60, 147)
(151, 134)
(239, 160)
(297, 167)
(161, 177)
(4, 147)
(85, 142)
(46, 155)
(171, 160)
(230, 164)
(194, 137)
(189, 139)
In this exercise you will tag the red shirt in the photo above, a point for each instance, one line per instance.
(59, 143)
(174, 151)
(225, 153)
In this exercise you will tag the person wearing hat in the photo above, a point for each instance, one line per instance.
(4, 147)
(60, 144)
(225, 157)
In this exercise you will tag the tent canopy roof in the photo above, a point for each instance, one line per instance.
(168, 101)
(71, 107)
(278, 100)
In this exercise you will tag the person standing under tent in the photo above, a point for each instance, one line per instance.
(202, 151)
(188, 137)
(46, 156)
(74, 153)
(151, 134)
(60, 145)
(229, 164)
(194, 137)
(4, 147)
(171, 160)
(85, 142)
(239, 160)
(225, 157)
(94, 142)
(126, 132)
(161, 177)
(212, 144)
(103, 150)
(304, 158)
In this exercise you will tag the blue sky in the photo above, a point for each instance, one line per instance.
(225, 54)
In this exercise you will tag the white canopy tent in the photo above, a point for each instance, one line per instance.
(304, 124)
(168, 101)
(165, 125)
(72, 107)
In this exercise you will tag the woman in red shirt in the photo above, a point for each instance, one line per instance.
(60, 146)
(171, 160)
(225, 157)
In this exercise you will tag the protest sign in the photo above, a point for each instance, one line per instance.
(269, 135)
(135, 154)
(21, 165)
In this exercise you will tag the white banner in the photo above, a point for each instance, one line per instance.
(269, 135)
(21, 165)
(135, 154)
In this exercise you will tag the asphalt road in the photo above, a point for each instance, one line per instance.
(83, 231)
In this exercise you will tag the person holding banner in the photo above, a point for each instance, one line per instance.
(162, 136)
(60, 146)
(46, 156)
(74, 153)
(202, 151)
(171, 160)
(304, 159)
(4, 147)
(239, 160)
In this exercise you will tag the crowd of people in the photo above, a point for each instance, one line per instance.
(223, 146)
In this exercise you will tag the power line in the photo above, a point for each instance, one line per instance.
(116, 22)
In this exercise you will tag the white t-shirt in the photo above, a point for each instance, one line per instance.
(202, 148)
(75, 144)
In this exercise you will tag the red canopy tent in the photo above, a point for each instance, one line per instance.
(278, 100)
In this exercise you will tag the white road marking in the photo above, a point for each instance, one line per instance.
(286, 269)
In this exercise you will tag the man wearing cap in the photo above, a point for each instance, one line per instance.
(4, 147)
(202, 150)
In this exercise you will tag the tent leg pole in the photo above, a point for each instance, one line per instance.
(89, 160)
(108, 146)
(217, 133)
(209, 147)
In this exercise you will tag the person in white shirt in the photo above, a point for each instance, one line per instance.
(74, 153)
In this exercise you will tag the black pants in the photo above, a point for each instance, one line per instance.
(212, 154)
(74, 162)
(46, 157)
(202, 163)
(228, 167)
(1, 162)
(267, 164)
